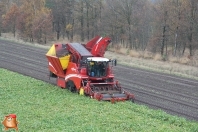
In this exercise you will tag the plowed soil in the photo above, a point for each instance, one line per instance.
(174, 95)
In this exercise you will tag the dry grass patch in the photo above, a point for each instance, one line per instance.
(184, 60)
(173, 59)
(122, 51)
(155, 65)
(137, 54)
(193, 61)
(148, 55)
(157, 57)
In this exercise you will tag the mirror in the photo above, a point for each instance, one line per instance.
(114, 62)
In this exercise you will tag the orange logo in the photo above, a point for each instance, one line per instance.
(10, 122)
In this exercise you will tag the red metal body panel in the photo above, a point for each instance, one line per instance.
(98, 45)
(61, 82)
(58, 46)
(92, 42)
(54, 66)
(74, 74)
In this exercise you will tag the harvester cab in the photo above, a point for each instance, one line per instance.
(83, 67)
(97, 66)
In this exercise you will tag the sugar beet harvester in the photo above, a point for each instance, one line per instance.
(82, 68)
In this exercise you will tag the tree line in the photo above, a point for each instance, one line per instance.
(153, 25)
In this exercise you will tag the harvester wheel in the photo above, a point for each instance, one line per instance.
(132, 100)
(71, 86)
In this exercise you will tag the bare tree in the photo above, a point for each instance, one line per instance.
(2, 11)
(192, 22)
(10, 18)
(161, 24)
(136, 24)
(62, 11)
(129, 17)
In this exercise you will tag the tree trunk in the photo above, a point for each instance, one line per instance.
(130, 38)
(58, 31)
(177, 28)
(45, 40)
(0, 30)
(58, 35)
(164, 33)
(190, 43)
(14, 30)
(87, 21)
(163, 40)
(166, 48)
(192, 13)
(82, 22)
(72, 31)
(184, 48)
(175, 49)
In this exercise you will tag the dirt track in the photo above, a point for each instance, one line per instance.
(177, 96)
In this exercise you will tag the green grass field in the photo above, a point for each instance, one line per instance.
(41, 107)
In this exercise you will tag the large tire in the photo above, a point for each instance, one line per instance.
(51, 74)
(132, 100)
(71, 86)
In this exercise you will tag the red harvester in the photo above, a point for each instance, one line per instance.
(82, 68)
